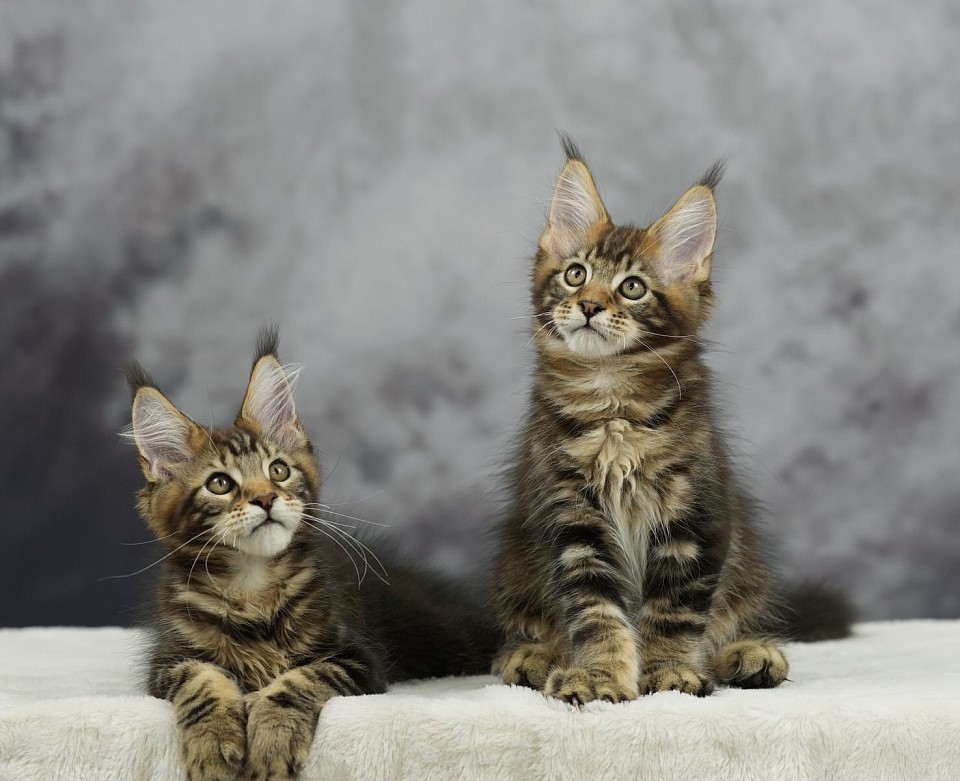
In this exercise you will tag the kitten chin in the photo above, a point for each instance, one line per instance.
(589, 343)
(266, 540)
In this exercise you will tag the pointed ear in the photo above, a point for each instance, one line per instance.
(268, 403)
(685, 237)
(162, 434)
(575, 210)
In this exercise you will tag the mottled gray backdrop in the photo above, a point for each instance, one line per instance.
(373, 175)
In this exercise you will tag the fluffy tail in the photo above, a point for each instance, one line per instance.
(431, 627)
(811, 611)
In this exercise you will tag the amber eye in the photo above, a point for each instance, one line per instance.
(220, 484)
(575, 276)
(279, 471)
(632, 288)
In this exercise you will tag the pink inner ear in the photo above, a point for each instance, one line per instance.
(686, 234)
(269, 402)
(290, 437)
(161, 433)
(574, 209)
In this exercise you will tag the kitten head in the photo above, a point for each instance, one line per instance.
(601, 289)
(243, 487)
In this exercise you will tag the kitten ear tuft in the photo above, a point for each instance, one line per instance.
(575, 209)
(686, 233)
(268, 403)
(711, 178)
(161, 433)
(268, 341)
(137, 377)
(570, 148)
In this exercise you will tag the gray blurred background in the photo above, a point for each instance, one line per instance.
(373, 177)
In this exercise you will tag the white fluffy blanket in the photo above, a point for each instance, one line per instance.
(882, 705)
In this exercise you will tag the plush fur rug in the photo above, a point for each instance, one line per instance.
(884, 704)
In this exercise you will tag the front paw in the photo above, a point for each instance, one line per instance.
(580, 685)
(525, 665)
(675, 677)
(213, 739)
(751, 664)
(279, 734)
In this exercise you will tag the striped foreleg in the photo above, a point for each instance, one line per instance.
(210, 717)
(603, 658)
(282, 716)
(683, 568)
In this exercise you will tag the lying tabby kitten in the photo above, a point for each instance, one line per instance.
(259, 619)
(629, 562)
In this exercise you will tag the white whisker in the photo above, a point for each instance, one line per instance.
(382, 572)
(352, 501)
(164, 558)
(329, 536)
(148, 542)
(673, 336)
(529, 317)
(675, 377)
(199, 554)
(206, 561)
(547, 324)
(361, 549)
(326, 509)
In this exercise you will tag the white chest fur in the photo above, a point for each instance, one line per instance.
(614, 455)
(250, 578)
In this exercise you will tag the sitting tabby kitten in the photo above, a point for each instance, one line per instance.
(629, 563)
(259, 619)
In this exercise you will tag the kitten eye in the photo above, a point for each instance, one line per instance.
(575, 276)
(632, 288)
(220, 484)
(279, 471)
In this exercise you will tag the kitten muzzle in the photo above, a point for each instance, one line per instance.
(264, 523)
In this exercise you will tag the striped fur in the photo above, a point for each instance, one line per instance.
(259, 619)
(629, 562)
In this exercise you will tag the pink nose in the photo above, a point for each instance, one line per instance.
(590, 308)
(265, 501)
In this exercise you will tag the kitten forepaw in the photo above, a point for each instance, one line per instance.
(214, 747)
(675, 677)
(751, 664)
(525, 665)
(580, 685)
(279, 737)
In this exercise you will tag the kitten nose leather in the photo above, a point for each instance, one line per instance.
(265, 501)
(590, 308)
